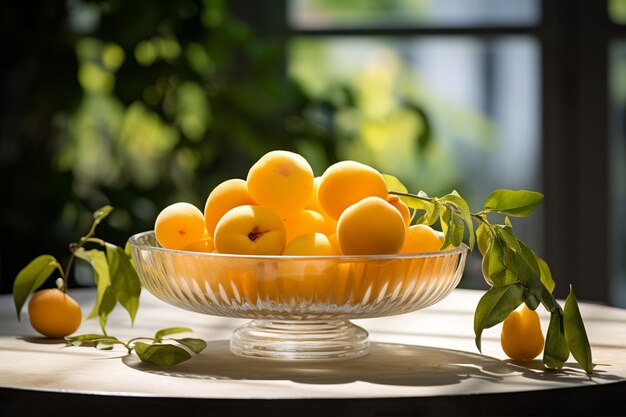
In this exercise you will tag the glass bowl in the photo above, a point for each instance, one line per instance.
(300, 305)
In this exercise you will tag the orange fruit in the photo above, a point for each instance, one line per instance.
(421, 238)
(346, 183)
(227, 195)
(282, 181)
(178, 225)
(53, 313)
(370, 227)
(521, 337)
(250, 230)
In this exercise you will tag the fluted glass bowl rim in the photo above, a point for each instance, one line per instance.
(136, 240)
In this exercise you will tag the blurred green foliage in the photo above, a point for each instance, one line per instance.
(140, 104)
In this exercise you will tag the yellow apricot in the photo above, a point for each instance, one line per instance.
(346, 183)
(333, 240)
(395, 201)
(305, 221)
(371, 226)
(178, 225)
(310, 244)
(314, 204)
(250, 230)
(227, 195)
(203, 245)
(522, 338)
(421, 238)
(282, 181)
(53, 313)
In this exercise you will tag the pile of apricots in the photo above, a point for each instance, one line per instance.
(282, 209)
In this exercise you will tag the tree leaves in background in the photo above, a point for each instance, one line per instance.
(124, 279)
(575, 333)
(30, 278)
(519, 203)
(494, 306)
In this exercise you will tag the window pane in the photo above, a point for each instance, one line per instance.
(481, 97)
(617, 11)
(617, 161)
(320, 14)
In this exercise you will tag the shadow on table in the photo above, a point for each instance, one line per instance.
(386, 363)
(41, 340)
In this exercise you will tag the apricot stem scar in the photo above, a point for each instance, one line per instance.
(256, 233)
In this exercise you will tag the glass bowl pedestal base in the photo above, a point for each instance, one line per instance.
(300, 340)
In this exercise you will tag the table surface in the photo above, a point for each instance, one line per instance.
(425, 354)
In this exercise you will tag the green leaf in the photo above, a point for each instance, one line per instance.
(105, 297)
(507, 235)
(171, 330)
(496, 305)
(575, 333)
(548, 301)
(518, 268)
(463, 211)
(124, 279)
(107, 343)
(30, 278)
(531, 301)
(484, 237)
(497, 269)
(106, 307)
(520, 203)
(161, 354)
(101, 214)
(416, 202)
(195, 345)
(394, 184)
(84, 339)
(538, 265)
(457, 230)
(445, 216)
(431, 214)
(545, 274)
(507, 222)
(555, 351)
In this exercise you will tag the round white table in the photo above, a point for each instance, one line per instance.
(419, 363)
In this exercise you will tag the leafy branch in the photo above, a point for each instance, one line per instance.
(114, 274)
(160, 350)
(515, 272)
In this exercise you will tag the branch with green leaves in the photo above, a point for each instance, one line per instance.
(515, 272)
(114, 274)
(157, 350)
